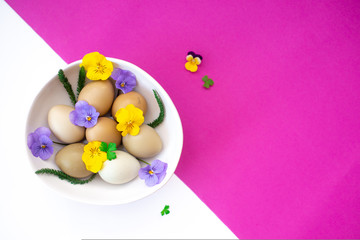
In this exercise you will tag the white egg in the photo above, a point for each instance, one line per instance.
(122, 169)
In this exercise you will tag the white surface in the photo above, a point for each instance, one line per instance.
(29, 209)
(100, 192)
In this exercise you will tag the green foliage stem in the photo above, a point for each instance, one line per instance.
(64, 176)
(161, 116)
(81, 80)
(67, 86)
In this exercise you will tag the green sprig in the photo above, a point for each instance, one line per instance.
(64, 176)
(81, 80)
(165, 210)
(161, 116)
(67, 86)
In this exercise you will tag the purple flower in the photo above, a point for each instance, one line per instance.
(40, 144)
(125, 80)
(84, 115)
(154, 173)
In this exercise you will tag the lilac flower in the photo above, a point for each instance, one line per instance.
(125, 80)
(84, 115)
(153, 174)
(40, 144)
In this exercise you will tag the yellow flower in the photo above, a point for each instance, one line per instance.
(193, 60)
(93, 157)
(129, 119)
(97, 66)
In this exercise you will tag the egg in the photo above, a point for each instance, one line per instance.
(144, 145)
(99, 94)
(60, 125)
(69, 160)
(104, 131)
(122, 169)
(132, 97)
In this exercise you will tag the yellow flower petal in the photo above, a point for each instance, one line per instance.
(93, 157)
(197, 61)
(192, 67)
(129, 119)
(189, 58)
(97, 66)
(135, 130)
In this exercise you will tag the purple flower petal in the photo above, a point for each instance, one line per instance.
(161, 176)
(73, 117)
(158, 166)
(40, 143)
(31, 139)
(151, 180)
(84, 115)
(144, 172)
(125, 80)
(43, 131)
(80, 104)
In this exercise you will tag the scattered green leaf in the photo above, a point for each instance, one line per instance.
(165, 210)
(207, 82)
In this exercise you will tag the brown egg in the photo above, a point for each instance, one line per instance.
(104, 131)
(144, 145)
(69, 160)
(132, 97)
(99, 94)
(60, 125)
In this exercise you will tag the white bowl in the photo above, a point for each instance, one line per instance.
(98, 191)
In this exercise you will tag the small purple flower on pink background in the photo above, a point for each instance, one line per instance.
(153, 174)
(125, 80)
(84, 115)
(40, 144)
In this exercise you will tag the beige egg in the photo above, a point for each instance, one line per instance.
(62, 128)
(104, 131)
(144, 145)
(122, 169)
(132, 97)
(69, 160)
(99, 94)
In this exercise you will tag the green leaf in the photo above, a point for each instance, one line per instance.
(112, 147)
(205, 78)
(111, 155)
(161, 116)
(207, 82)
(81, 80)
(165, 210)
(63, 79)
(64, 176)
(103, 147)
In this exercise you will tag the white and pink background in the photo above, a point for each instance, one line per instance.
(271, 150)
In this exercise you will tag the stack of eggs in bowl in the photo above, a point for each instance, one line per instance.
(101, 95)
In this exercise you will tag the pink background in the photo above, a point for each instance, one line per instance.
(273, 147)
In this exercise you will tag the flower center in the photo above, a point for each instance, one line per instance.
(100, 68)
(43, 146)
(151, 172)
(122, 84)
(94, 151)
(193, 61)
(88, 118)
